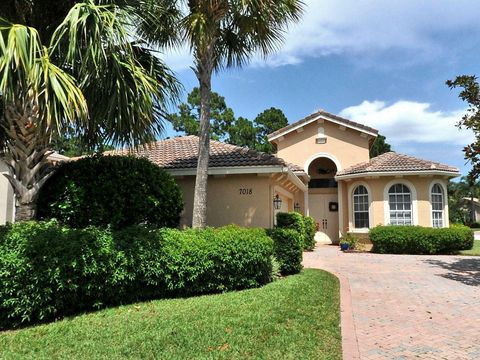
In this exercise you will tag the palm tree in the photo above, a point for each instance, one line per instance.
(95, 76)
(220, 34)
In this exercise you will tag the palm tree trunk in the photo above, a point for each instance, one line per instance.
(204, 75)
(27, 156)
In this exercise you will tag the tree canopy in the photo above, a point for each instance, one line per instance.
(380, 146)
(225, 126)
(470, 92)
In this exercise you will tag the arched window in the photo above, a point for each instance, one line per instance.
(360, 207)
(400, 202)
(437, 206)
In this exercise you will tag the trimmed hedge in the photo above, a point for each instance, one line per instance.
(288, 249)
(420, 240)
(310, 231)
(48, 271)
(305, 226)
(119, 191)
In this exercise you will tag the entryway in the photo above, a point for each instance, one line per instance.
(324, 209)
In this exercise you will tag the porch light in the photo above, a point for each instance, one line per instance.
(296, 207)
(277, 202)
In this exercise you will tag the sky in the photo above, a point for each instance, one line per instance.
(381, 63)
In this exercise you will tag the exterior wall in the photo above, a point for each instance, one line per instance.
(7, 199)
(420, 188)
(347, 147)
(227, 204)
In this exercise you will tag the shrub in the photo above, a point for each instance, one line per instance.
(49, 271)
(298, 222)
(288, 249)
(351, 240)
(310, 231)
(420, 240)
(111, 190)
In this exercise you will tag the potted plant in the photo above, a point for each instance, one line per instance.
(344, 245)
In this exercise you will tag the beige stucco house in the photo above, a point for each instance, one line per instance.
(322, 169)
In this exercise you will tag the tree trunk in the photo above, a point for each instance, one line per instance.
(204, 75)
(25, 212)
(27, 156)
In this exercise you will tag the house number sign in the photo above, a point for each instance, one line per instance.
(245, 191)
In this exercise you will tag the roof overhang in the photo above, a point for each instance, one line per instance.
(239, 170)
(397, 173)
(322, 117)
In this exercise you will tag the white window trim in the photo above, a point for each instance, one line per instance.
(321, 155)
(443, 185)
(386, 205)
(351, 222)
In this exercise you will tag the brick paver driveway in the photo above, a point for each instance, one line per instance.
(404, 306)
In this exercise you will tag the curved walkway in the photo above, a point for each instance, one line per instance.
(405, 306)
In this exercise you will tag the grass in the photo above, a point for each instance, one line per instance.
(475, 251)
(294, 318)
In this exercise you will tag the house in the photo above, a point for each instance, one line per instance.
(322, 169)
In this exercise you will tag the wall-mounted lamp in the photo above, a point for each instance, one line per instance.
(277, 202)
(296, 207)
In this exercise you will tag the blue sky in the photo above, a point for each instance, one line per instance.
(381, 63)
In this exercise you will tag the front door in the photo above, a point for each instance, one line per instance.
(324, 209)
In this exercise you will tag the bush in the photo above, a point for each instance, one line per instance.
(111, 190)
(310, 231)
(420, 240)
(288, 249)
(305, 227)
(49, 271)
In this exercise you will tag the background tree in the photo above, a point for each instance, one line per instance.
(267, 122)
(471, 120)
(380, 146)
(461, 206)
(68, 143)
(221, 34)
(243, 133)
(94, 76)
(187, 119)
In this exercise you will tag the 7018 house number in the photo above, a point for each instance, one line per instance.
(244, 191)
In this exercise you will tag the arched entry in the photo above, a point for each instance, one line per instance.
(323, 198)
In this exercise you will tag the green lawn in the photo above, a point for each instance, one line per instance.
(294, 318)
(474, 251)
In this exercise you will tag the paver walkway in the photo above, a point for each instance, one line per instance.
(406, 306)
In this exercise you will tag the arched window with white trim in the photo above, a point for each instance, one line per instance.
(400, 203)
(360, 208)
(437, 199)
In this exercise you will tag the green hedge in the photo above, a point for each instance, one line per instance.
(305, 226)
(420, 240)
(48, 271)
(288, 249)
(119, 191)
(310, 231)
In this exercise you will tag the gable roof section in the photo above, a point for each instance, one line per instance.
(182, 153)
(319, 115)
(392, 163)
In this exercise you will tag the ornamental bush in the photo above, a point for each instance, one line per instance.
(288, 249)
(48, 271)
(304, 225)
(119, 191)
(310, 231)
(420, 240)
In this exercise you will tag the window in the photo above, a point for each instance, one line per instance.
(437, 206)
(400, 202)
(360, 207)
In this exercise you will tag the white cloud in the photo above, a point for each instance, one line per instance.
(407, 123)
(367, 28)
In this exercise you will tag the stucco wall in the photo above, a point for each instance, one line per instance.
(420, 189)
(347, 146)
(229, 200)
(6, 197)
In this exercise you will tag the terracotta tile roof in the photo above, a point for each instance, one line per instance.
(322, 113)
(181, 153)
(394, 162)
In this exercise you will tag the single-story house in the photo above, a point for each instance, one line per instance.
(322, 168)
